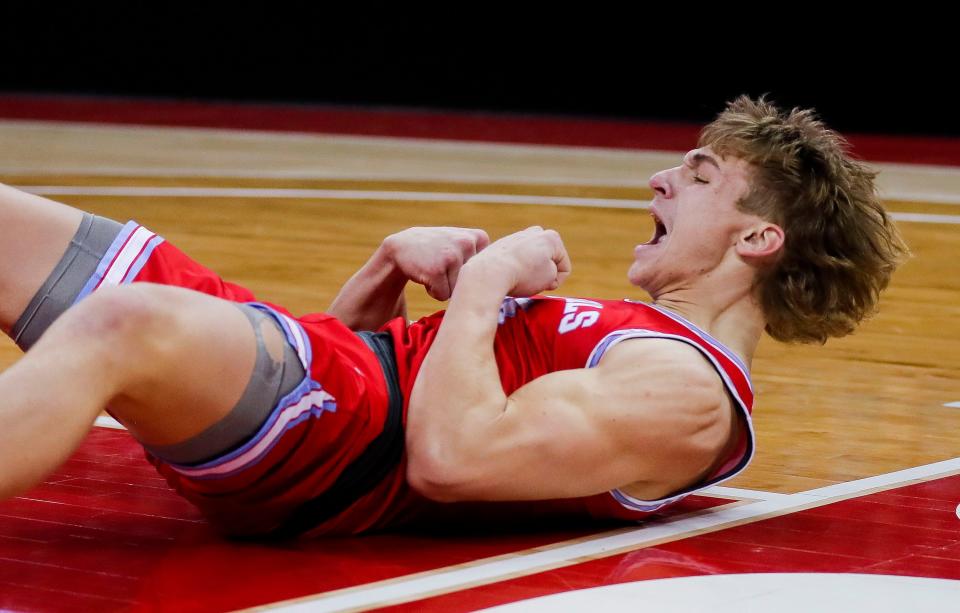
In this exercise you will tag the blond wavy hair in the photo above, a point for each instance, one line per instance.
(841, 246)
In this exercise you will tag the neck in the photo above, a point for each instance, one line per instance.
(732, 316)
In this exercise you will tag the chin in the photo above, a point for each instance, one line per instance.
(645, 278)
(635, 275)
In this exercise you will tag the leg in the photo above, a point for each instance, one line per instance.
(168, 362)
(34, 233)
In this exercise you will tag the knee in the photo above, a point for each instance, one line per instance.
(120, 316)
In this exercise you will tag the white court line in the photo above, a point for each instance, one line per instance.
(386, 174)
(337, 194)
(740, 494)
(953, 405)
(105, 421)
(933, 197)
(329, 194)
(909, 182)
(900, 478)
(431, 583)
(925, 218)
(453, 179)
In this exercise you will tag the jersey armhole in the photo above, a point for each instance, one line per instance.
(738, 461)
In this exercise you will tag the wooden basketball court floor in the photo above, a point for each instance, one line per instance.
(858, 467)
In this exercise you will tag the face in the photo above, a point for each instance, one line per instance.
(697, 221)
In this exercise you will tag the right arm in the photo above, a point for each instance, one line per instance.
(651, 415)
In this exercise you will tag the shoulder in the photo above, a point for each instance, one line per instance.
(669, 387)
(673, 404)
(662, 363)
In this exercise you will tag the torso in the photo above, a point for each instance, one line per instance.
(540, 335)
(536, 336)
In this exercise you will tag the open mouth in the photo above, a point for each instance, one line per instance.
(659, 230)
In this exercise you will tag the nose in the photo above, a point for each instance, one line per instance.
(661, 185)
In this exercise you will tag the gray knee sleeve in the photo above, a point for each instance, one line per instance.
(60, 290)
(270, 381)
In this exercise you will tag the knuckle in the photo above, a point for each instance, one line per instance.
(432, 271)
(448, 255)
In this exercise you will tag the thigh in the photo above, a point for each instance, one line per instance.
(311, 435)
(103, 254)
(34, 233)
(193, 358)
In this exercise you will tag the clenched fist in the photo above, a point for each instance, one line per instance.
(526, 262)
(433, 257)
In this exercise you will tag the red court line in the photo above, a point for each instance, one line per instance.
(481, 127)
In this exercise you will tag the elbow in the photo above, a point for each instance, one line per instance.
(434, 477)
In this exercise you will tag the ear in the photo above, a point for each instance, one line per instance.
(762, 241)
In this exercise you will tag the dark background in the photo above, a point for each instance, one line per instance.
(595, 61)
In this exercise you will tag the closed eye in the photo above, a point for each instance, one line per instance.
(697, 178)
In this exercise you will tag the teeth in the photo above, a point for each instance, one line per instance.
(659, 229)
(658, 222)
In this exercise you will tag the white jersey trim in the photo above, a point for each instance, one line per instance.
(618, 336)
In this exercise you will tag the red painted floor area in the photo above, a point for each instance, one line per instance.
(912, 531)
(484, 127)
(105, 533)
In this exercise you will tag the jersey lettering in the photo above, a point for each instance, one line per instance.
(579, 313)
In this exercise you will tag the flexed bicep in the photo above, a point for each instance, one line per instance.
(547, 441)
(658, 424)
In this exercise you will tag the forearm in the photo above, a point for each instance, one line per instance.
(372, 296)
(458, 390)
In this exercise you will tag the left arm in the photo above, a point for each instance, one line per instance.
(431, 257)
(373, 295)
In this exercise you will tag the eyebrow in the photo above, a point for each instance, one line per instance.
(699, 158)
